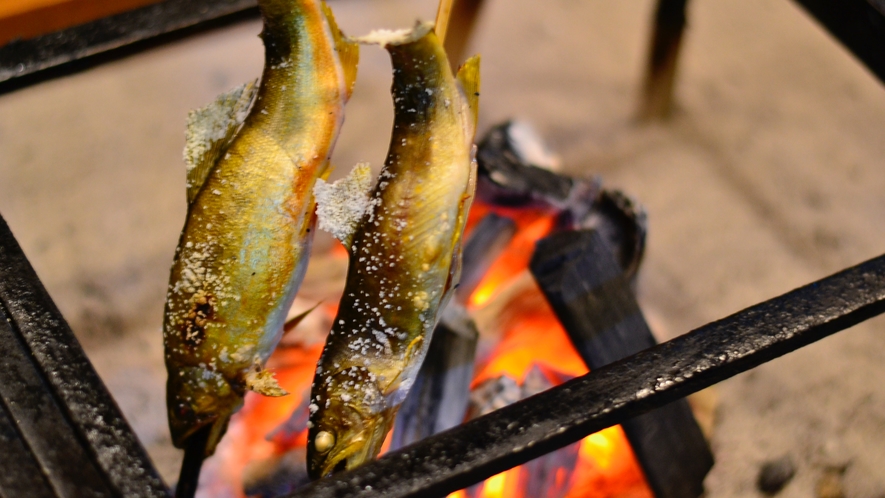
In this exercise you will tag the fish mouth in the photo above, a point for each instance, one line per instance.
(362, 448)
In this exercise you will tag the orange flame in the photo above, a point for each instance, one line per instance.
(515, 257)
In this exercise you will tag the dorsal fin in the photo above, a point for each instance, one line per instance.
(342, 205)
(210, 130)
(348, 51)
(468, 76)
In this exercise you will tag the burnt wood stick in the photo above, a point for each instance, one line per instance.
(592, 297)
(660, 73)
(21, 474)
(650, 379)
(70, 379)
(461, 25)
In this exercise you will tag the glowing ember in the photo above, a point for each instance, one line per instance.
(531, 227)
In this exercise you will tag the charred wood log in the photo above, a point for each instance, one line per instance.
(591, 295)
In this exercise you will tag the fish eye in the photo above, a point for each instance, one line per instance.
(324, 441)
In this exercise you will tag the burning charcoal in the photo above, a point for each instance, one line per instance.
(550, 475)
(511, 172)
(775, 474)
(591, 295)
(276, 476)
(535, 382)
(506, 175)
(293, 426)
(491, 395)
(622, 222)
(487, 241)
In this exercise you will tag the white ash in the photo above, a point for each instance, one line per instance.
(530, 147)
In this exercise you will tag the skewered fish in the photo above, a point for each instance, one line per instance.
(405, 252)
(253, 159)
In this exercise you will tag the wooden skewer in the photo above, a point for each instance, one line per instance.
(443, 13)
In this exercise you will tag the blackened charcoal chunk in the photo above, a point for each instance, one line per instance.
(775, 474)
(622, 222)
(509, 176)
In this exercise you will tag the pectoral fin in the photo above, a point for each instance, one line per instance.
(348, 51)
(293, 322)
(210, 130)
(263, 382)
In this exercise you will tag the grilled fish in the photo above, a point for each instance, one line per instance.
(253, 159)
(405, 254)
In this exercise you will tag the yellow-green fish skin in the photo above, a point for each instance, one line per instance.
(245, 243)
(404, 262)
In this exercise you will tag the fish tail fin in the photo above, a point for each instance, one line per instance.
(348, 52)
(468, 77)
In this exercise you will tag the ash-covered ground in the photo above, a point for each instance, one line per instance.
(768, 176)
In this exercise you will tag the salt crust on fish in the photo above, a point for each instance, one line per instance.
(342, 204)
(386, 37)
(210, 129)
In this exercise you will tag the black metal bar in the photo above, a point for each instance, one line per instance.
(25, 62)
(70, 378)
(859, 25)
(592, 297)
(515, 434)
(21, 475)
(42, 422)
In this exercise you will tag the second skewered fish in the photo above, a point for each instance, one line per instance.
(405, 252)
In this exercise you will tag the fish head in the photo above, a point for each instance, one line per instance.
(197, 397)
(350, 418)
